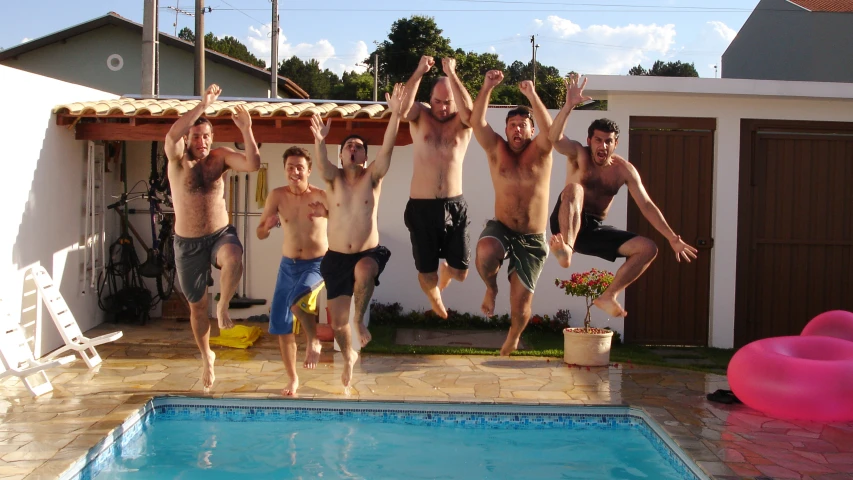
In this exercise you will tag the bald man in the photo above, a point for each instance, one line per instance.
(437, 214)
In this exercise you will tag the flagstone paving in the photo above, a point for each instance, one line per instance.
(41, 437)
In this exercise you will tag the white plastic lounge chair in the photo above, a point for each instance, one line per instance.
(65, 322)
(17, 358)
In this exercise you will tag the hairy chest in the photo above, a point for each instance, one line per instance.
(201, 178)
(440, 135)
(526, 168)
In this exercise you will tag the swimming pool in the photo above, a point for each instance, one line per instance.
(180, 437)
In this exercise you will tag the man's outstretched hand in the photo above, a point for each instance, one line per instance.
(682, 250)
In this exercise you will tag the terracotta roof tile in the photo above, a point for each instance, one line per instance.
(836, 6)
(171, 107)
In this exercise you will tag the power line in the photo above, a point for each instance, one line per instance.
(241, 11)
(628, 9)
(604, 5)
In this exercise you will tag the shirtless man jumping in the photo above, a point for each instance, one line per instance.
(355, 259)
(203, 236)
(437, 214)
(594, 176)
(299, 281)
(520, 167)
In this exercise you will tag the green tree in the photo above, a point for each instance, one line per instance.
(187, 35)
(472, 67)
(409, 39)
(354, 86)
(308, 75)
(668, 69)
(229, 46)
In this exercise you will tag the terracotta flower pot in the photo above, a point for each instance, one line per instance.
(586, 348)
(325, 332)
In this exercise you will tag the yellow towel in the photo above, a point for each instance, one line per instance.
(261, 187)
(241, 336)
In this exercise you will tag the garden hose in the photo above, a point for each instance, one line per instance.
(261, 187)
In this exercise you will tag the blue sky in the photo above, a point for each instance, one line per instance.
(587, 36)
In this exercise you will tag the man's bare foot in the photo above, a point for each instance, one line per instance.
(434, 297)
(223, 316)
(561, 250)
(510, 345)
(610, 306)
(290, 389)
(312, 353)
(207, 375)
(444, 276)
(488, 306)
(346, 377)
(364, 334)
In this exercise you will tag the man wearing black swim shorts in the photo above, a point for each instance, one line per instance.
(593, 178)
(437, 214)
(352, 266)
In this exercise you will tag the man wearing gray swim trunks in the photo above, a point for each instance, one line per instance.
(202, 234)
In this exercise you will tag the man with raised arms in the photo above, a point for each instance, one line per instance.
(520, 168)
(203, 236)
(437, 214)
(354, 261)
(594, 175)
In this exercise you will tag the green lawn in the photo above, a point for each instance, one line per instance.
(550, 344)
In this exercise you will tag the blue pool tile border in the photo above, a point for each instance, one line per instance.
(485, 416)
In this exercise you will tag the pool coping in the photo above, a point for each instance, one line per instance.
(76, 469)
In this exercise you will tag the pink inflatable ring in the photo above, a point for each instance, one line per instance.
(804, 377)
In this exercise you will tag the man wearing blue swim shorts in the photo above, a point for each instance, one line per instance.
(300, 209)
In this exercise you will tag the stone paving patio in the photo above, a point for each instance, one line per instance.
(41, 437)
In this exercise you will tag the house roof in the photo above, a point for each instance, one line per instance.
(272, 121)
(112, 18)
(835, 6)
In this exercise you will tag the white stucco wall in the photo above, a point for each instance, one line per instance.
(724, 99)
(43, 200)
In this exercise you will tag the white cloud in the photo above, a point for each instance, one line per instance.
(563, 27)
(537, 23)
(25, 40)
(616, 49)
(492, 49)
(323, 51)
(722, 30)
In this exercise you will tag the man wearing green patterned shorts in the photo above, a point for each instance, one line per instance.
(520, 166)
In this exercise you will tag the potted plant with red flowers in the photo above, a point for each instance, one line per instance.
(587, 346)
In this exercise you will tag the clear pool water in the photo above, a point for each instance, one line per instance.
(195, 438)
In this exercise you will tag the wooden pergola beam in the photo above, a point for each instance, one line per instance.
(278, 130)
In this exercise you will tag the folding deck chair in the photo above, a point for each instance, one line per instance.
(17, 358)
(65, 322)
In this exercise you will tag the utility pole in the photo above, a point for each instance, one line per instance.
(149, 48)
(376, 72)
(199, 48)
(274, 53)
(534, 46)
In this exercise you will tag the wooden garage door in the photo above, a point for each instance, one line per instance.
(669, 304)
(795, 226)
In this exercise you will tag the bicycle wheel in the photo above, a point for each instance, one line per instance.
(166, 280)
